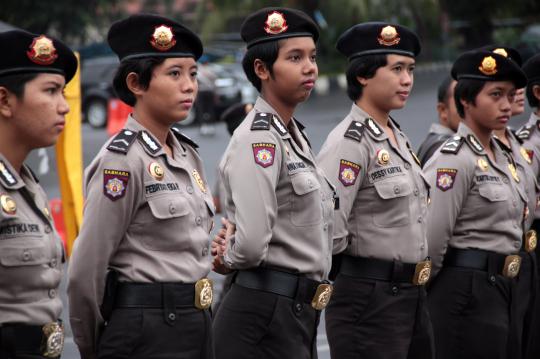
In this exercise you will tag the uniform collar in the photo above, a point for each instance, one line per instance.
(471, 139)
(533, 120)
(262, 106)
(150, 144)
(439, 129)
(372, 127)
(9, 178)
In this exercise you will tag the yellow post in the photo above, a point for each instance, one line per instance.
(70, 163)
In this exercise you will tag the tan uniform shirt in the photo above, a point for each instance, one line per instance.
(147, 227)
(530, 135)
(475, 202)
(31, 253)
(383, 196)
(278, 198)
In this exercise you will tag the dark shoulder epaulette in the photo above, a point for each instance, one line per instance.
(355, 131)
(261, 121)
(452, 145)
(524, 132)
(122, 141)
(183, 138)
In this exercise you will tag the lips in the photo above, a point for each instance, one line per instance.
(403, 94)
(309, 83)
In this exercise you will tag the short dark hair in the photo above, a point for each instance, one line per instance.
(17, 83)
(268, 53)
(444, 87)
(366, 67)
(533, 101)
(143, 68)
(467, 90)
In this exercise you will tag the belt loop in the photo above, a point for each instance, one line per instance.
(298, 303)
(491, 269)
(169, 309)
(397, 270)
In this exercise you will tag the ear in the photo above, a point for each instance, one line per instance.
(260, 70)
(362, 80)
(536, 91)
(442, 110)
(7, 102)
(466, 105)
(132, 82)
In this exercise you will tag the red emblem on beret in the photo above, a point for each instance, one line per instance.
(163, 38)
(275, 23)
(264, 154)
(348, 172)
(42, 51)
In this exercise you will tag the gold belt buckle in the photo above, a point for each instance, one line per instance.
(322, 296)
(203, 293)
(422, 272)
(53, 342)
(512, 264)
(530, 241)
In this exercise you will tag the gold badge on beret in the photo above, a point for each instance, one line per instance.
(389, 36)
(156, 171)
(513, 172)
(275, 23)
(501, 52)
(383, 157)
(8, 204)
(482, 164)
(163, 38)
(42, 51)
(199, 180)
(488, 66)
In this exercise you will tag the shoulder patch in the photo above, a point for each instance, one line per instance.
(355, 131)
(452, 145)
(525, 132)
(373, 127)
(183, 138)
(149, 142)
(348, 172)
(6, 177)
(261, 121)
(475, 144)
(264, 153)
(446, 178)
(279, 126)
(122, 141)
(115, 183)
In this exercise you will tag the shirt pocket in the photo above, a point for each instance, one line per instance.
(306, 200)
(392, 208)
(30, 255)
(493, 193)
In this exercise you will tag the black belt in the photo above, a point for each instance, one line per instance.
(278, 282)
(378, 269)
(478, 259)
(32, 339)
(154, 295)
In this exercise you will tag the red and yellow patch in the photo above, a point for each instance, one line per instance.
(264, 153)
(348, 172)
(115, 183)
(446, 178)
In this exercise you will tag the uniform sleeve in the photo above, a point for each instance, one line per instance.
(251, 170)
(345, 166)
(112, 189)
(450, 179)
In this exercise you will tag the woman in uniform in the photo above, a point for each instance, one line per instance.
(148, 210)
(379, 305)
(277, 199)
(477, 215)
(33, 74)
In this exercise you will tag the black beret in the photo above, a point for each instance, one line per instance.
(506, 51)
(275, 23)
(31, 53)
(532, 68)
(487, 66)
(371, 38)
(145, 35)
(234, 115)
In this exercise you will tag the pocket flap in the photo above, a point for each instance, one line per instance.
(393, 189)
(304, 183)
(494, 193)
(164, 207)
(23, 256)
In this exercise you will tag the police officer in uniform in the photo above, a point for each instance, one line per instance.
(278, 200)
(530, 135)
(378, 308)
(448, 121)
(148, 210)
(33, 72)
(477, 215)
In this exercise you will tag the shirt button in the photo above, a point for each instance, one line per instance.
(205, 252)
(52, 293)
(517, 244)
(172, 209)
(310, 183)
(198, 220)
(26, 256)
(396, 189)
(416, 191)
(423, 246)
(505, 180)
(419, 219)
(189, 189)
(325, 227)
(48, 229)
(53, 263)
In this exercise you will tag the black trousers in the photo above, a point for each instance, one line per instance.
(138, 333)
(20, 344)
(261, 325)
(378, 320)
(470, 313)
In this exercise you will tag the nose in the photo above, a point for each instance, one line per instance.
(189, 85)
(407, 78)
(63, 106)
(310, 67)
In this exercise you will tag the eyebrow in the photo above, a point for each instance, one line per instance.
(55, 83)
(296, 49)
(181, 66)
(403, 63)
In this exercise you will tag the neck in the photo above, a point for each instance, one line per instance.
(13, 149)
(381, 116)
(284, 110)
(482, 133)
(157, 129)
